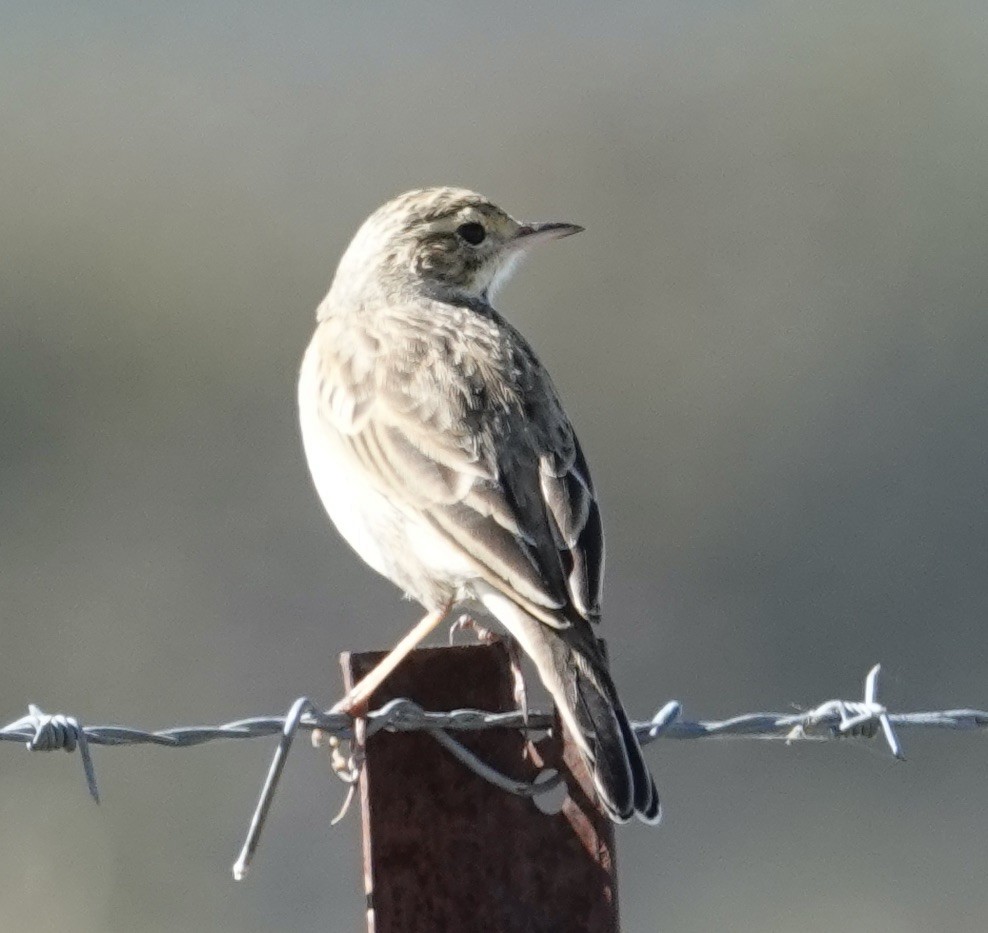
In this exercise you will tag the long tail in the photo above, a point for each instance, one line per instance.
(573, 669)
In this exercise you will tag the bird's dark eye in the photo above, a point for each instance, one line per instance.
(473, 233)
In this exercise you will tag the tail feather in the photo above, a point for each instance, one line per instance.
(574, 670)
(598, 733)
(613, 754)
(647, 804)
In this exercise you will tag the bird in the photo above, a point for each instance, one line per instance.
(441, 451)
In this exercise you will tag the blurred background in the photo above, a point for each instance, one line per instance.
(772, 338)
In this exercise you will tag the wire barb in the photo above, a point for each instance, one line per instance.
(834, 719)
(44, 733)
(299, 708)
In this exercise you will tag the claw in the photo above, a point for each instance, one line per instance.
(348, 764)
(467, 623)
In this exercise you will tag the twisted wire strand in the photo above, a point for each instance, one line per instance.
(833, 719)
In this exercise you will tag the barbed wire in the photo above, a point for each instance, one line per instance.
(828, 721)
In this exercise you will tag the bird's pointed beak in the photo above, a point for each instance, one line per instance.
(530, 234)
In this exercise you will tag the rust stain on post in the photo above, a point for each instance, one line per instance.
(446, 851)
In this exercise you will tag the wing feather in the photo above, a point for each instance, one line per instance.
(480, 450)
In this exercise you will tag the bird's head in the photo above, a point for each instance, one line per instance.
(448, 242)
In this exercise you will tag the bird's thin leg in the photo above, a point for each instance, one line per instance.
(348, 766)
(355, 702)
(488, 636)
(517, 676)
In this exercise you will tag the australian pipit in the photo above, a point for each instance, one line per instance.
(441, 451)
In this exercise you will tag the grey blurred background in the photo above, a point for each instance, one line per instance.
(772, 339)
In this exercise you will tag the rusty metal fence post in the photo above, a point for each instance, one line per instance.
(444, 850)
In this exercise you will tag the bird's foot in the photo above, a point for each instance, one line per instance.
(466, 623)
(356, 709)
(346, 755)
(346, 758)
(488, 636)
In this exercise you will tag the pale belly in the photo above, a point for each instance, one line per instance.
(391, 540)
